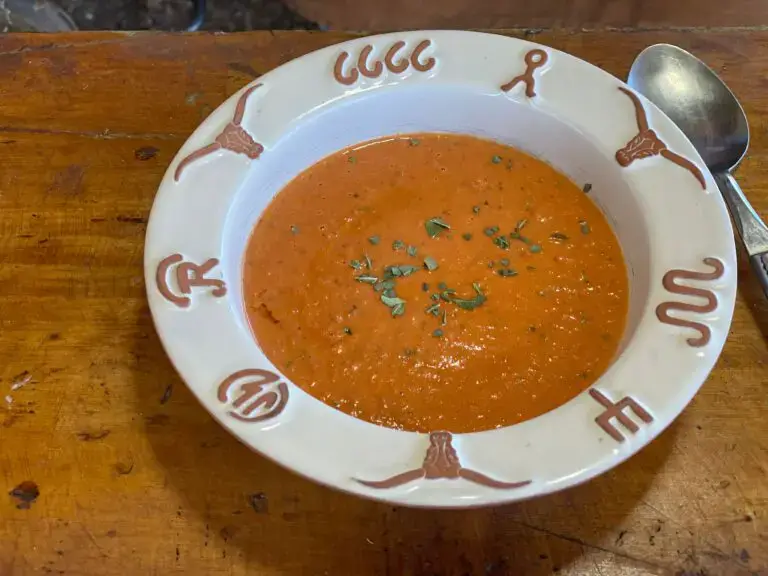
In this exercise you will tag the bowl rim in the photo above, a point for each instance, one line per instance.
(223, 366)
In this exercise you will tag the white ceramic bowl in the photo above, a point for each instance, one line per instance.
(646, 177)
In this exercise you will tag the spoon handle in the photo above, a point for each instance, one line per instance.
(752, 229)
(760, 268)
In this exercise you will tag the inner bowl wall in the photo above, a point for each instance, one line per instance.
(384, 112)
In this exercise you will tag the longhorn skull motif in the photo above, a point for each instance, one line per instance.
(233, 138)
(441, 461)
(647, 144)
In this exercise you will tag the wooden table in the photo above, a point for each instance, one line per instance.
(135, 478)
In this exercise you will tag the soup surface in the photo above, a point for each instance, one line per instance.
(436, 282)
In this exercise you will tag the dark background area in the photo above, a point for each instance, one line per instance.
(380, 15)
(225, 15)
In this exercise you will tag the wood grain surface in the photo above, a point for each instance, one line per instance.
(135, 478)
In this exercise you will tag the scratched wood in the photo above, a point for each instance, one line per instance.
(135, 478)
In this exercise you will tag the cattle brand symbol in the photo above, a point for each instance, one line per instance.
(534, 59)
(233, 138)
(617, 411)
(647, 144)
(188, 276)
(441, 461)
(254, 394)
(374, 69)
(670, 284)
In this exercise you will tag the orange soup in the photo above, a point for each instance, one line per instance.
(436, 282)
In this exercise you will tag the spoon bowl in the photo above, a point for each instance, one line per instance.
(695, 98)
(703, 107)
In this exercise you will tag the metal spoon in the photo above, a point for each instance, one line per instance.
(711, 117)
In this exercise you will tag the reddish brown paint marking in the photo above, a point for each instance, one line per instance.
(670, 285)
(534, 59)
(647, 144)
(617, 411)
(338, 71)
(375, 69)
(258, 389)
(362, 64)
(188, 276)
(441, 461)
(233, 138)
(417, 65)
(399, 67)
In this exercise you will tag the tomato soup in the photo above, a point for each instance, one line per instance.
(436, 282)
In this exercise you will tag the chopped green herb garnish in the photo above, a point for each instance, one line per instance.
(437, 333)
(430, 263)
(585, 229)
(396, 271)
(515, 235)
(558, 237)
(587, 188)
(504, 262)
(414, 141)
(347, 331)
(476, 209)
(467, 236)
(521, 224)
(356, 264)
(390, 293)
(435, 225)
(434, 309)
(442, 286)
(447, 294)
(491, 230)
(374, 240)
(496, 159)
(391, 301)
(368, 263)
(412, 251)
(398, 245)
(401, 270)
(506, 272)
(384, 285)
(351, 159)
(469, 303)
(435, 297)
(366, 279)
(501, 242)
(425, 287)
(294, 229)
